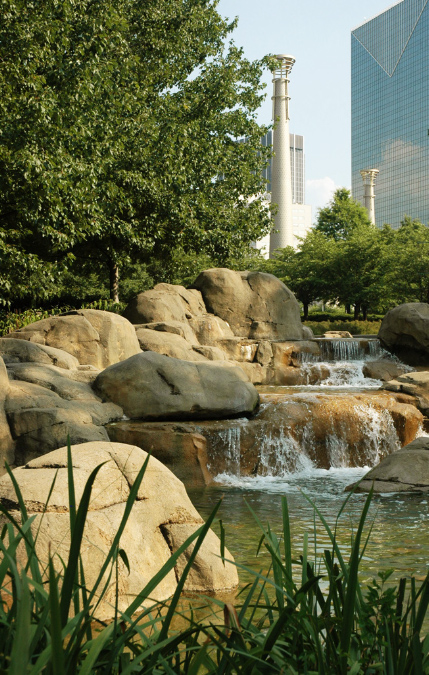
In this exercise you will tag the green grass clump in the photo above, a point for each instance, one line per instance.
(354, 327)
(319, 620)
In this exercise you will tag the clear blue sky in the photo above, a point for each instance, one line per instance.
(317, 34)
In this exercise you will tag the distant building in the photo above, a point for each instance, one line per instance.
(390, 110)
(301, 212)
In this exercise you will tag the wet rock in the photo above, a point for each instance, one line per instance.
(179, 446)
(255, 305)
(406, 470)
(161, 519)
(384, 370)
(288, 433)
(294, 353)
(405, 332)
(152, 386)
(92, 336)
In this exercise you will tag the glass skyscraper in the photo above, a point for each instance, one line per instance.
(390, 110)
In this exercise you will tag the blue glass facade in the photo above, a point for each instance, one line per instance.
(390, 110)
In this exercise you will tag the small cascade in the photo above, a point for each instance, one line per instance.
(346, 349)
(340, 362)
(293, 432)
(339, 374)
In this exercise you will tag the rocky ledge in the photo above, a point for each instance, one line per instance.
(405, 470)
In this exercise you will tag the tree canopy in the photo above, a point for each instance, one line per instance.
(119, 129)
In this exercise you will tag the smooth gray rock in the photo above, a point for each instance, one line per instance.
(152, 386)
(255, 305)
(405, 331)
(21, 351)
(384, 370)
(406, 470)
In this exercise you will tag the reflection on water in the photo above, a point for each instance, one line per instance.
(400, 533)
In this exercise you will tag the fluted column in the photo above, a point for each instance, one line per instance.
(368, 177)
(281, 179)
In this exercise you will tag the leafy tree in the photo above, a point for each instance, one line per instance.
(341, 216)
(306, 271)
(357, 270)
(407, 262)
(119, 124)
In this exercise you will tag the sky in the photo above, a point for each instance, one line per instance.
(317, 34)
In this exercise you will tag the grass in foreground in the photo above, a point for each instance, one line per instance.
(322, 622)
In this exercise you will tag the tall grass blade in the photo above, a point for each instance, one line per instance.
(349, 612)
(20, 654)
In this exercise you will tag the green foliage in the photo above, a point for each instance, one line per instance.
(119, 124)
(341, 216)
(307, 615)
(354, 327)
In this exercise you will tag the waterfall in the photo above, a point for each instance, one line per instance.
(294, 431)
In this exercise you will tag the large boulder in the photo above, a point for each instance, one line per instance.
(92, 336)
(165, 303)
(7, 445)
(406, 470)
(46, 404)
(161, 519)
(255, 305)
(405, 332)
(152, 386)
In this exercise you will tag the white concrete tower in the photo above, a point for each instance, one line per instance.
(281, 180)
(369, 176)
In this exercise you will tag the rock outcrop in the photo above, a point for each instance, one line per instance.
(7, 445)
(43, 403)
(415, 384)
(255, 304)
(151, 386)
(161, 519)
(405, 332)
(406, 470)
(286, 432)
(92, 336)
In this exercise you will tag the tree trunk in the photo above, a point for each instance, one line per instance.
(305, 305)
(114, 281)
(348, 309)
(357, 311)
(364, 312)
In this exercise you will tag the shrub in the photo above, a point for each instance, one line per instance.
(354, 327)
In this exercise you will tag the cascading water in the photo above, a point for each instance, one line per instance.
(339, 422)
(340, 363)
